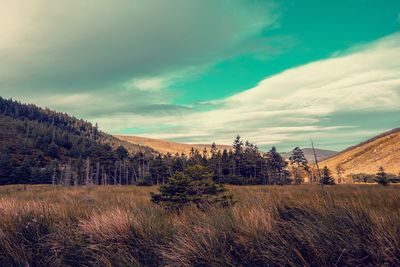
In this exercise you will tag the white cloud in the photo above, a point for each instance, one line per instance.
(148, 84)
(294, 104)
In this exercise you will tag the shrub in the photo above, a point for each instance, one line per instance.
(381, 177)
(146, 181)
(194, 186)
(363, 178)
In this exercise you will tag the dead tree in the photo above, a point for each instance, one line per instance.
(97, 173)
(87, 180)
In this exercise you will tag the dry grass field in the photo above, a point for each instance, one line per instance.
(354, 225)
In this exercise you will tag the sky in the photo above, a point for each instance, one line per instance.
(201, 71)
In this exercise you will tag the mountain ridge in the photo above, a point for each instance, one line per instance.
(309, 154)
(164, 146)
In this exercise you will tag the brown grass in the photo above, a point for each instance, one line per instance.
(270, 226)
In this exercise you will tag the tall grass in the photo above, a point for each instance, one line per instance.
(269, 226)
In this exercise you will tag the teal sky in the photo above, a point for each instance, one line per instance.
(306, 31)
(275, 72)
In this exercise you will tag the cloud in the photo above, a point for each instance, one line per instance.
(149, 84)
(84, 45)
(295, 104)
(112, 58)
(113, 62)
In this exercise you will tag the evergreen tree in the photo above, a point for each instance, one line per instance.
(382, 177)
(194, 186)
(326, 177)
(159, 170)
(23, 172)
(299, 160)
(179, 163)
(214, 149)
(237, 154)
(276, 165)
(225, 162)
(53, 150)
(121, 152)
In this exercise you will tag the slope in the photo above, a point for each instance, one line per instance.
(366, 157)
(165, 147)
(33, 139)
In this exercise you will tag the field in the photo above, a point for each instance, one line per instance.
(269, 226)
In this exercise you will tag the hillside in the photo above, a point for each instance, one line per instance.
(309, 154)
(35, 141)
(367, 157)
(165, 147)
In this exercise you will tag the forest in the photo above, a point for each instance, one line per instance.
(41, 146)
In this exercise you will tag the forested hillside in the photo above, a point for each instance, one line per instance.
(43, 146)
(36, 143)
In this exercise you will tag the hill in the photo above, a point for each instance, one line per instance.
(366, 157)
(309, 154)
(34, 140)
(165, 147)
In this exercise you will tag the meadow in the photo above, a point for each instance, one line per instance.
(350, 225)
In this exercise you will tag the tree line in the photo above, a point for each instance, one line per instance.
(244, 164)
(41, 146)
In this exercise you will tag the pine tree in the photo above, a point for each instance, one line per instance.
(326, 177)
(381, 177)
(192, 187)
(238, 154)
(299, 160)
(214, 149)
(121, 152)
(23, 172)
(276, 165)
(159, 171)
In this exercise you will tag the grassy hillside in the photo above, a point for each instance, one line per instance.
(269, 226)
(366, 157)
(164, 147)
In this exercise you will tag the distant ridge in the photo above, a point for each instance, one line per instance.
(165, 147)
(309, 154)
(366, 157)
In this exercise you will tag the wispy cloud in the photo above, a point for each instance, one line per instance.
(294, 104)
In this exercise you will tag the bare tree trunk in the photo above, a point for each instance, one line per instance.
(134, 175)
(127, 176)
(97, 173)
(76, 177)
(67, 181)
(120, 175)
(124, 173)
(102, 176)
(87, 181)
(54, 176)
(115, 172)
